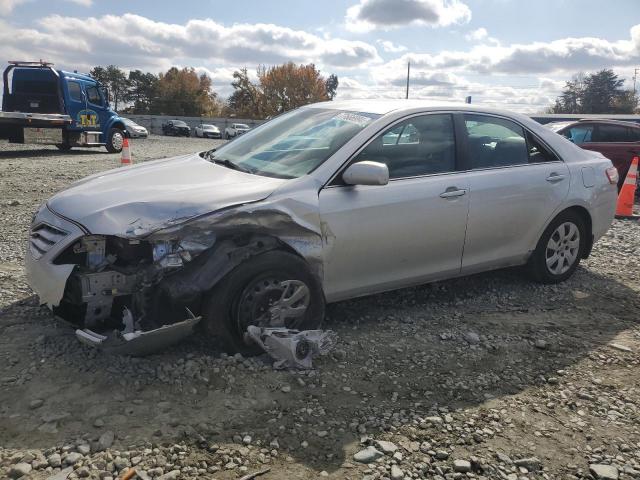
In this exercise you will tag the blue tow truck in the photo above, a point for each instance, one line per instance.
(41, 105)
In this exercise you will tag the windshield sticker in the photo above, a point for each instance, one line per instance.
(359, 120)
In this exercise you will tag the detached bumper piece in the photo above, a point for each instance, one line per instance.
(138, 343)
(292, 348)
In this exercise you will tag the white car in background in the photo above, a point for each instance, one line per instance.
(134, 130)
(207, 131)
(235, 129)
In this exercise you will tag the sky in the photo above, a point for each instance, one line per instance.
(514, 54)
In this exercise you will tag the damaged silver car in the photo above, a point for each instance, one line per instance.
(327, 202)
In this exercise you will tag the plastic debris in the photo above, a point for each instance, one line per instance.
(292, 348)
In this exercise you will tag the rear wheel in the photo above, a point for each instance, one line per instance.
(559, 249)
(63, 147)
(274, 289)
(115, 140)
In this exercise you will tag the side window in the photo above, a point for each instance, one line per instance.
(538, 152)
(579, 134)
(94, 96)
(75, 91)
(611, 133)
(495, 142)
(422, 145)
(634, 134)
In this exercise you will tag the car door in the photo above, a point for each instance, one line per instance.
(75, 104)
(516, 183)
(408, 231)
(97, 106)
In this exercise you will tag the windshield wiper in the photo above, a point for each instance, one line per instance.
(229, 164)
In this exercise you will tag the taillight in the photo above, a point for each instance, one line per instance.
(612, 175)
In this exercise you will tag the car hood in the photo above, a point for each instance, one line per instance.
(135, 201)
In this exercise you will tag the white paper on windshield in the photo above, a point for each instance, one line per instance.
(350, 117)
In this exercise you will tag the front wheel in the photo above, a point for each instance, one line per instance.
(63, 147)
(115, 140)
(559, 249)
(274, 289)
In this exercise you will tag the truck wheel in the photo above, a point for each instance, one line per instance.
(63, 147)
(115, 140)
(272, 289)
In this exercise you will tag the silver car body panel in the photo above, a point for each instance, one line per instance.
(358, 239)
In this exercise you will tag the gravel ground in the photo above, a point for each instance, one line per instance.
(489, 376)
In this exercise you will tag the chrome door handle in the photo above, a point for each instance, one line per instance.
(555, 177)
(453, 193)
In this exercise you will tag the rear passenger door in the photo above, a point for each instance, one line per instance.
(516, 183)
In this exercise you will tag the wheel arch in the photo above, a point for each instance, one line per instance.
(585, 215)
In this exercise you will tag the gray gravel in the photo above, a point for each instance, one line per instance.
(483, 377)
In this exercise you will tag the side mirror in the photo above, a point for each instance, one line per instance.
(366, 173)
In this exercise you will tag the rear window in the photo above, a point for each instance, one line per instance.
(75, 92)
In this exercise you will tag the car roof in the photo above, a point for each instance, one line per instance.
(622, 123)
(385, 106)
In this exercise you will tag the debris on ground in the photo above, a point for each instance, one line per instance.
(292, 348)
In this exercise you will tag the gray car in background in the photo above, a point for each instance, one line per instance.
(328, 202)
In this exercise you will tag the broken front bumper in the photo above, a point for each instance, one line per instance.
(48, 237)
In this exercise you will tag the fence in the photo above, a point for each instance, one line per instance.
(153, 123)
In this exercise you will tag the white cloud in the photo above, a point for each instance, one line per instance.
(567, 55)
(369, 15)
(477, 35)
(139, 42)
(84, 3)
(391, 47)
(7, 6)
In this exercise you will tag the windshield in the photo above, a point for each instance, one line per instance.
(207, 127)
(242, 125)
(556, 126)
(179, 123)
(293, 144)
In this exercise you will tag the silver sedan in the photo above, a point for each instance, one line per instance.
(328, 202)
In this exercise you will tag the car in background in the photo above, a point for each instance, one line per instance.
(177, 128)
(133, 130)
(235, 129)
(618, 141)
(207, 131)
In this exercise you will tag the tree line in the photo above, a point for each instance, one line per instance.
(182, 92)
(602, 92)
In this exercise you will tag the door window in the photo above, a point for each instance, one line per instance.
(495, 142)
(538, 152)
(75, 92)
(634, 134)
(93, 95)
(579, 134)
(418, 146)
(611, 133)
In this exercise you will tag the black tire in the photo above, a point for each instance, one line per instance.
(112, 145)
(64, 147)
(228, 137)
(222, 315)
(537, 265)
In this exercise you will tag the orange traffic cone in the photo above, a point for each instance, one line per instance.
(125, 157)
(624, 209)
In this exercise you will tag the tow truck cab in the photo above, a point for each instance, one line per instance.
(68, 109)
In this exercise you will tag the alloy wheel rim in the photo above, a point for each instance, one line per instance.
(272, 302)
(562, 248)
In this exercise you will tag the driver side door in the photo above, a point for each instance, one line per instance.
(409, 231)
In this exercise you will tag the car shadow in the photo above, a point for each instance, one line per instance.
(454, 344)
(14, 154)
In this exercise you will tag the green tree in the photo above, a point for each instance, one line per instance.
(142, 91)
(600, 92)
(331, 86)
(115, 80)
(245, 101)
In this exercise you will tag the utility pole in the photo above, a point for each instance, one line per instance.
(408, 72)
(635, 76)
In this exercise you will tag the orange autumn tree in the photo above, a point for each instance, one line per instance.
(288, 86)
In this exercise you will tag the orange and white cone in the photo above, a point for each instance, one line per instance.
(125, 157)
(624, 209)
